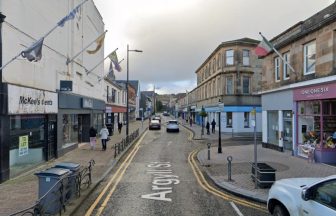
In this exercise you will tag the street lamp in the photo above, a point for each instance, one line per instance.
(127, 106)
(220, 107)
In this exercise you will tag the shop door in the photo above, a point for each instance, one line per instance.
(287, 130)
(83, 128)
(51, 139)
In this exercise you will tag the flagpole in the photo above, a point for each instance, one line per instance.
(2, 67)
(70, 60)
(100, 78)
(87, 73)
(276, 51)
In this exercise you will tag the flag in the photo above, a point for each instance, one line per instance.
(263, 48)
(34, 52)
(71, 15)
(99, 42)
(110, 73)
(114, 58)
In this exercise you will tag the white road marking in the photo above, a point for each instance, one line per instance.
(170, 142)
(236, 209)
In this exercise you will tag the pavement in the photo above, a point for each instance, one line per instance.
(21, 192)
(242, 152)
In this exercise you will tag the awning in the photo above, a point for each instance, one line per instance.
(115, 109)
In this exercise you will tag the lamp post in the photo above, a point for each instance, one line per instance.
(127, 105)
(220, 107)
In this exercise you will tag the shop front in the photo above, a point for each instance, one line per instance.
(114, 114)
(76, 114)
(316, 122)
(32, 127)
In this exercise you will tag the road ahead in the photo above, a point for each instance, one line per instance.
(157, 179)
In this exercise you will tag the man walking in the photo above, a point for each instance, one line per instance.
(103, 136)
(119, 127)
(213, 124)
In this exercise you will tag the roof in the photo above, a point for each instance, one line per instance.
(302, 28)
(242, 42)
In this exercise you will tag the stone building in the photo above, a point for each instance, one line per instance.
(230, 75)
(299, 108)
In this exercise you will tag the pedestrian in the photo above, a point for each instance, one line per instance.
(104, 133)
(213, 124)
(119, 127)
(93, 138)
(208, 127)
(190, 121)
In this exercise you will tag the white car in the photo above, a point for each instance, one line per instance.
(303, 197)
(172, 125)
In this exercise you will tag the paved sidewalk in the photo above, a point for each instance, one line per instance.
(287, 166)
(22, 192)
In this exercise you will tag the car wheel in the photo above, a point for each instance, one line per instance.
(280, 211)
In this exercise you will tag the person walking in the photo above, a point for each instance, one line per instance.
(104, 133)
(208, 127)
(213, 124)
(190, 121)
(119, 127)
(93, 138)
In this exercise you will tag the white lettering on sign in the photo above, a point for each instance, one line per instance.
(314, 91)
(162, 179)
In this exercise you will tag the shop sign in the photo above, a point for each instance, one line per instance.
(315, 92)
(66, 85)
(23, 145)
(87, 103)
(23, 100)
(108, 110)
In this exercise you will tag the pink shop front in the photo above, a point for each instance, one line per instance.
(316, 122)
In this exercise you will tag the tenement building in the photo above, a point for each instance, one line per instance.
(230, 76)
(299, 106)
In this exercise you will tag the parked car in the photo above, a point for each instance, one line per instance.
(303, 196)
(173, 125)
(154, 124)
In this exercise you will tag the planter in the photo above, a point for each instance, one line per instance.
(265, 175)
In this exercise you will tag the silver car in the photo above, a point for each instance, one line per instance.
(173, 125)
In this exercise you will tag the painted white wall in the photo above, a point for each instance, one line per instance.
(264, 126)
(30, 20)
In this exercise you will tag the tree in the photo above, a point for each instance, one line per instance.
(159, 106)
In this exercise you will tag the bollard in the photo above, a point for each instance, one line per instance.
(115, 150)
(229, 159)
(209, 144)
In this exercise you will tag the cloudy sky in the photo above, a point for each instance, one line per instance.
(176, 36)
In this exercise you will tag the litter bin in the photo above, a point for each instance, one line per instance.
(50, 189)
(72, 187)
(265, 175)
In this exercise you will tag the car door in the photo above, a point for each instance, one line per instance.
(323, 200)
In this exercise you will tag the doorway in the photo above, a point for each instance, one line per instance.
(83, 128)
(51, 137)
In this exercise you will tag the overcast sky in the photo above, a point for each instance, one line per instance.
(176, 36)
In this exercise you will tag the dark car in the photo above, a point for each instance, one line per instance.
(154, 124)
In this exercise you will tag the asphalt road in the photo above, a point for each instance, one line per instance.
(159, 181)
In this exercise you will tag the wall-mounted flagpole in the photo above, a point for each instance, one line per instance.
(70, 60)
(60, 23)
(87, 72)
(277, 52)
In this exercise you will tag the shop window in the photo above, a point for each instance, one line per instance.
(70, 128)
(229, 119)
(273, 127)
(309, 108)
(246, 119)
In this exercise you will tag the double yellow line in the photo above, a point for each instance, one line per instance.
(120, 173)
(205, 185)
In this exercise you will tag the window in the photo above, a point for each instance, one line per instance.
(107, 94)
(218, 61)
(324, 193)
(113, 95)
(246, 119)
(285, 67)
(277, 69)
(214, 65)
(229, 85)
(309, 55)
(246, 57)
(246, 85)
(229, 119)
(229, 57)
